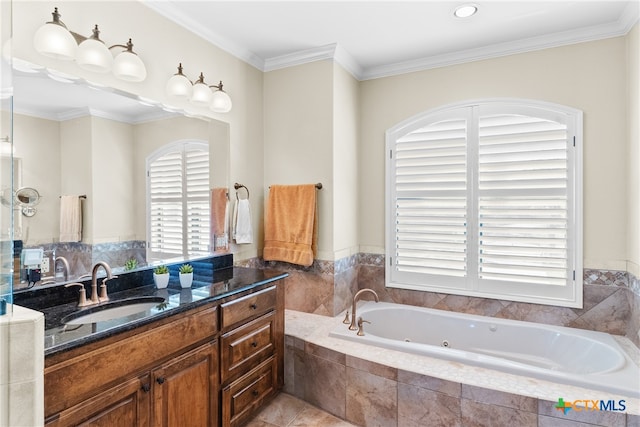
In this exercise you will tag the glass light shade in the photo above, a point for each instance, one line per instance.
(55, 41)
(221, 102)
(201, 94)
(94, 56)
(179, 87)
(128, 66)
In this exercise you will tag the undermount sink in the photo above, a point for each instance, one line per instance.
(112, 310)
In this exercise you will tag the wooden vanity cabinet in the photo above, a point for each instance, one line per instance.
(180, 371)
(155, 376)
(252, 353)
(184, 390)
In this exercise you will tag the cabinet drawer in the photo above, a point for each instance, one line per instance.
(247, 393)
(247, 307)
(243, 348)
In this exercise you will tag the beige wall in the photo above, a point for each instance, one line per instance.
(76, 168)
(298, 136)
(346, 117)
(37, 145)
(633, 157)
(587, 76)
(112, 170)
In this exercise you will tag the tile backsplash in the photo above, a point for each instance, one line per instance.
(611, 298)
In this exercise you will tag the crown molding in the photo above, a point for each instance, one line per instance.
(598, 32)
(629, 18)
(300, 57)
(173, 12)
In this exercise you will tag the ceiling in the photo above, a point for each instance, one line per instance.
(379, 38)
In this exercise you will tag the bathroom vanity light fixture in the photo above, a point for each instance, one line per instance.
(53, 39)
(198, 93)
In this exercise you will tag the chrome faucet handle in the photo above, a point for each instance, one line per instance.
(82, 302)
(346, 320)
(361, 322)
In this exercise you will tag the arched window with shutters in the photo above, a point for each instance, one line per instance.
(484, 199)
(178, 209)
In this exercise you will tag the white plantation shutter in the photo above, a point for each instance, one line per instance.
(484, 200)
(523, 179)
(178, 200)
(430, 187)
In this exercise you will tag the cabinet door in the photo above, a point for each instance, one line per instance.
(185, 390)
(124, 405)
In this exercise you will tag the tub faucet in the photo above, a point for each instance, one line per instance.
(94, 283)
(356, 297)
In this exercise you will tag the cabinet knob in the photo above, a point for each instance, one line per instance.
(255, 393)
(160, 380)
(254, 344)
(146, 388)
(254, 306)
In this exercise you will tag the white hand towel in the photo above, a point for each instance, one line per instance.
(242, 230)
(70, 219)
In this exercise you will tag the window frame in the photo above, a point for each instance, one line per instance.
(569, 295)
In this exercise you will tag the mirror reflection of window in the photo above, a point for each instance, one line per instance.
(178, 212)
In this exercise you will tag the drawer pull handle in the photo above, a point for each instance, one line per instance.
(254, 344)
(255, 393)
(254, 306)
(146, 388)
(160, 380)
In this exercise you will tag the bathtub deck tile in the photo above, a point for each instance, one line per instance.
(325, 353)
(450, 388)
(508, 400)
(477, 414)
(371, 400)
(423, 407)
(325, 385)
(372, 368)
(633, 420)
(545, 421)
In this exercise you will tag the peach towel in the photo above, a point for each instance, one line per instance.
(219, 222)
(70, 219)
(290, 224)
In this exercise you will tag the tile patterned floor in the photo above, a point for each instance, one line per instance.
(288, 411)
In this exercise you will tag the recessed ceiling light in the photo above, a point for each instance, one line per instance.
(465, 11)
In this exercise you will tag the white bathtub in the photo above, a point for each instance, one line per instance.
(565, 355)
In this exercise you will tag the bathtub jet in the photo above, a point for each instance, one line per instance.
(564, 355)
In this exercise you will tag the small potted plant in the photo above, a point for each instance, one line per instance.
(131, 264)
(161, 276)
(186, 275)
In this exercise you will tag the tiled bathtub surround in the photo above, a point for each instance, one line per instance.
(325, 287)
(611, 298)
(368, 386)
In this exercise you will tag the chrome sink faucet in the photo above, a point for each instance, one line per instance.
(95, 299)
(356, 297)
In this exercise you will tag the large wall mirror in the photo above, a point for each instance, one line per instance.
(75, 139)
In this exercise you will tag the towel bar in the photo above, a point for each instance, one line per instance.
(318, 186)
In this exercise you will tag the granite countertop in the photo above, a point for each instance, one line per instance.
(208, 286)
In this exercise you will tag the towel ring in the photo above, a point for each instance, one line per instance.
(239, 186)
